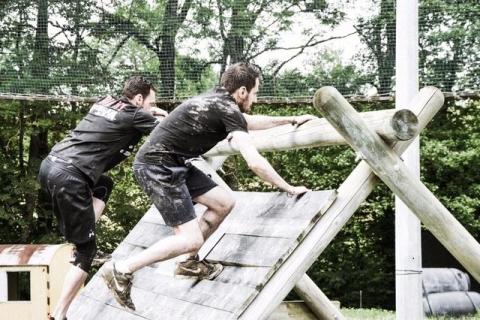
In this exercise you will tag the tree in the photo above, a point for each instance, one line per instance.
(242, 30)
(378, 33)
(449, 42)
(140, 22)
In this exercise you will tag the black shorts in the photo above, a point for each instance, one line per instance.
(71, 196)
(172, 188)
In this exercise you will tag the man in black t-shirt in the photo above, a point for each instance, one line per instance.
(72, 174)
(163, 169)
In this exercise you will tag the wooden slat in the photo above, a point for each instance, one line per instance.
(146, 234)
(125, 250)
(245, 250)
(231, 291)
(88, 308)
(148, 302)
(282, 228)
(247, 276)
(218, 295)
(155, 306)
(279, 205)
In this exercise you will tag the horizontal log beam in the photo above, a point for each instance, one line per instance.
(389, 167)
(391, 125)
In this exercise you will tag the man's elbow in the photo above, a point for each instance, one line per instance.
(255, 166)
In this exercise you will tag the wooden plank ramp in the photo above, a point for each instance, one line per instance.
(259, 234)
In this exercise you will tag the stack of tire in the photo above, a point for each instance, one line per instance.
(446, 292)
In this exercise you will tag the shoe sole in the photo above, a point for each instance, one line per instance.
(114, 292)
(210, 277)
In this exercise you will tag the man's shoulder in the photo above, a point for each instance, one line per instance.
(216, 96)
(119, 104)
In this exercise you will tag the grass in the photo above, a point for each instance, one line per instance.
(378, 314)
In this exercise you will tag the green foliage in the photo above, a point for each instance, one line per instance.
(327, 69)
(126, 206)
(449, 56)
(379, 314)
(453, 147)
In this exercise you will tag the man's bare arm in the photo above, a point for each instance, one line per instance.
(259, 122)
(259, 165)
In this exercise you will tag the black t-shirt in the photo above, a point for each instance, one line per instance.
(193, 128)
(106, 136)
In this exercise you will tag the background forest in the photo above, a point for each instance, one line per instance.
(86, 48)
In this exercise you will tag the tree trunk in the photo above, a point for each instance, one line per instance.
(38, 148)
(40, 63)
(167, 51)
(234, 45)
(386, 57)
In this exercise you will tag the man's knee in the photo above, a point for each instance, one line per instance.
(193, 242)
(226, 205)
(103, 188)
(83, 255)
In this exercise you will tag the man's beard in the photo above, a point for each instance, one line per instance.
(241, 105)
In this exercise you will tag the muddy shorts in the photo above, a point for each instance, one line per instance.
(71, 196)
(172, 188)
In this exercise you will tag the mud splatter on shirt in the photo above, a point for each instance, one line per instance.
(193, 128)
(105, 136)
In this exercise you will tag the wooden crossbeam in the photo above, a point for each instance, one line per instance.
(391, 125)
(388, 166)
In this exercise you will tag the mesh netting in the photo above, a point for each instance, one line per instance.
(87, 48)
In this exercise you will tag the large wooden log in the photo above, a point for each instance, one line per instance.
(353, 191)
(388, 166)
(391, 125)
(316, 300)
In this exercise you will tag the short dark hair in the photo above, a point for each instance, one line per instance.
(137, 85)
(240, 74)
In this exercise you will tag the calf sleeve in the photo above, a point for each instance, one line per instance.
(83, 254)
(103, 188)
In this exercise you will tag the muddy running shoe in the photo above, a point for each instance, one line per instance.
(120, 284)
(193, 268)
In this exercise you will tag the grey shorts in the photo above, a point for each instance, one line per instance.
(172, 188)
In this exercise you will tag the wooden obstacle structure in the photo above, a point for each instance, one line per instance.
(270, 240)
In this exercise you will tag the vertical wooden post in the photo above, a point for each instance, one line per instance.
(408, 249)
